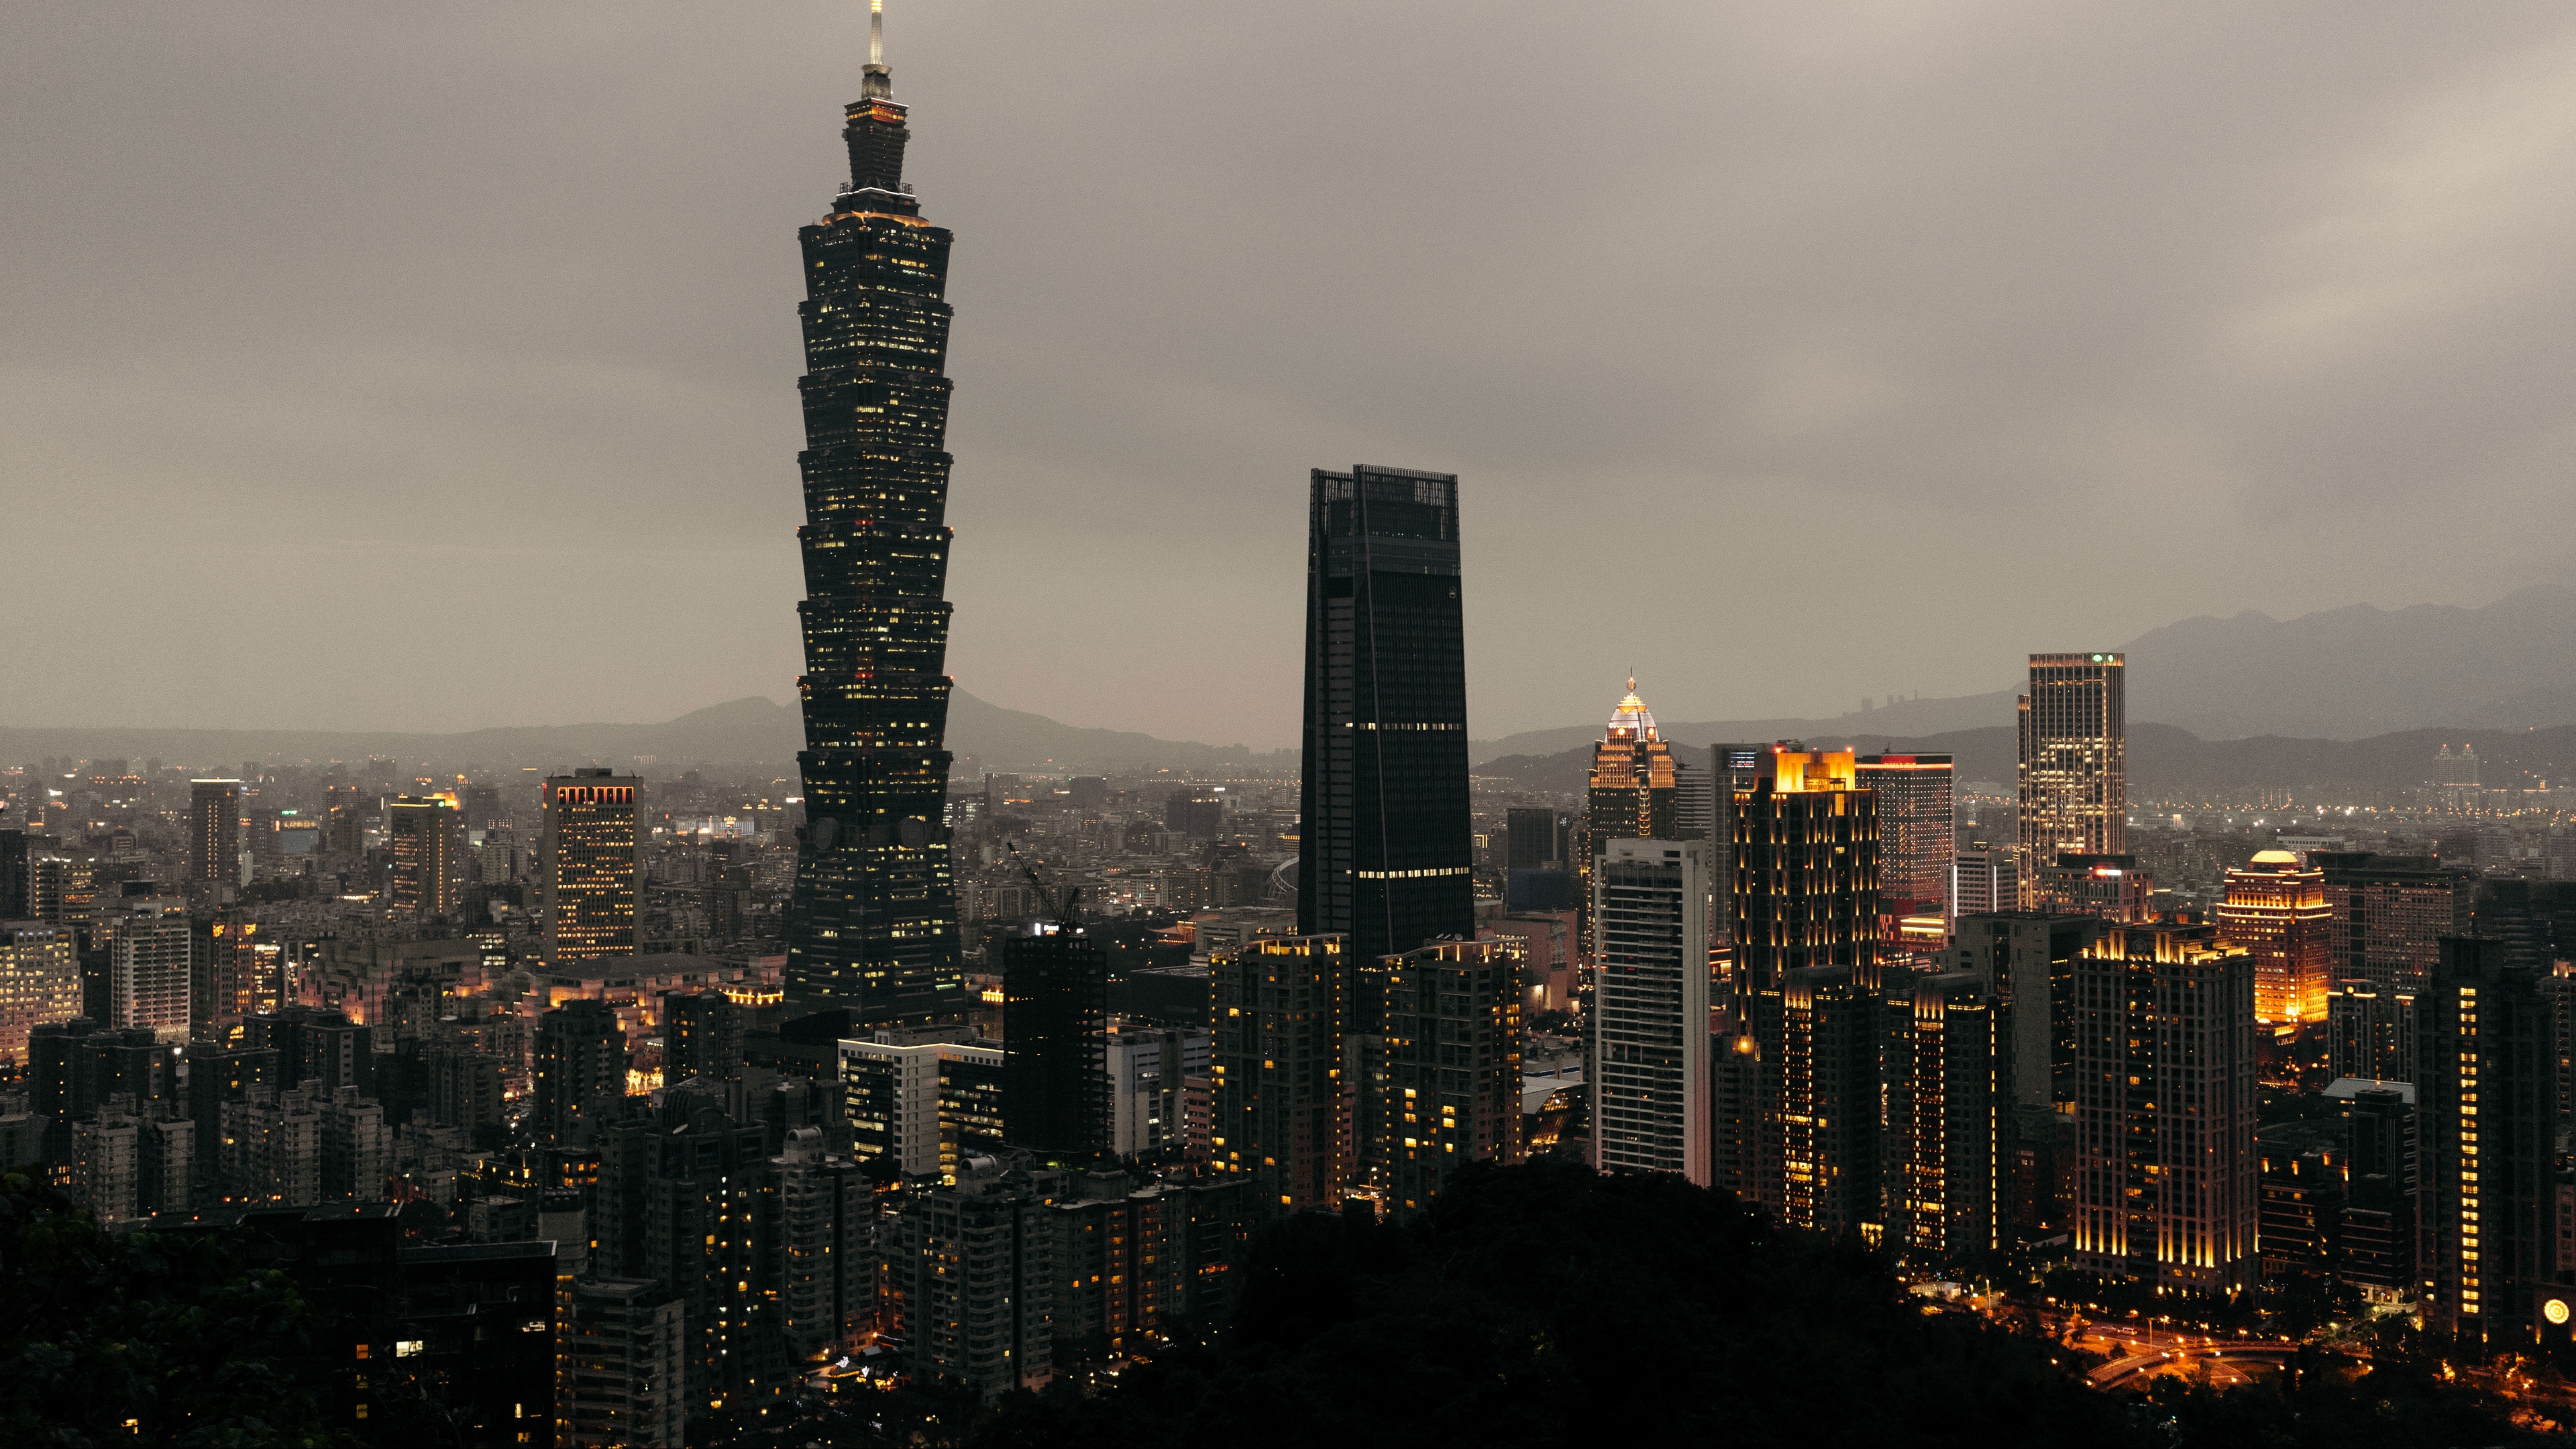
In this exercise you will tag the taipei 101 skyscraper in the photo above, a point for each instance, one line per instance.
(874, 920)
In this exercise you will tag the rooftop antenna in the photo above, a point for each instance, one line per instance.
(879, 84)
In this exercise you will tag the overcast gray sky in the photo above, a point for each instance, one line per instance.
(433, 365)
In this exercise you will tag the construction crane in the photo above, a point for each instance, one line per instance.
(1059, 911)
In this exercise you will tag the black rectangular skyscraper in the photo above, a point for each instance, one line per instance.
(1055, 1043)
(1386, 842)
(875, 923)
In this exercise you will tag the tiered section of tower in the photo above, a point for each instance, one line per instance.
(875, 918)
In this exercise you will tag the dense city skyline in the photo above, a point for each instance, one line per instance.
(521, 286)
(891, 1069)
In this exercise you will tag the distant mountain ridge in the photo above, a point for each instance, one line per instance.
(2341, 674)
(2359, 672)
(753, 733)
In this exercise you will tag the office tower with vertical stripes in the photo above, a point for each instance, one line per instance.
(1917, 835)
(426, 836)
(874, 915)
(1804, 901)
(590, 866)
(1651, 1077)
(1386, 846)
(2073, 773)
(2487, 1125)
(1951, 1160)
(214, 831)
(2165, 1174)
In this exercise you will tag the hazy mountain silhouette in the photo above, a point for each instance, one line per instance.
(753, 733)
(2353, 674)
(2344, 674)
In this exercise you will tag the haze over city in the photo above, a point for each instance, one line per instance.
(1206, 727)
(436, 335)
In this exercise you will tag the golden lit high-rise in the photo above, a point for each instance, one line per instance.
(1804, 900)
(426, 834)
(2074, 762)
(590, 865)
(1632, 792)
(2276, 909)
(39, 983)
(1632, 777)
(2166, 1185)
(1806, 884)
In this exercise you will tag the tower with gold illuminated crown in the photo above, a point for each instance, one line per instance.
(1632, 776)
(874, 924)
(1633, 787)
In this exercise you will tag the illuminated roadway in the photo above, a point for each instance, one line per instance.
(2223, 1360)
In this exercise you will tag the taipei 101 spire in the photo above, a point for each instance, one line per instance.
(879, 84)
(873, 925)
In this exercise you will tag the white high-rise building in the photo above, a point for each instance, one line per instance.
(147, 965)
(894, 1096)
(1983, 882)
(1651, 907)
(1146, 1070)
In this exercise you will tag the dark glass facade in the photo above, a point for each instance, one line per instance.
(1055, 1024)
(1386, 845)
(875, 913)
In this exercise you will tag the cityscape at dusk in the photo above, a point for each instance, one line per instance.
(1795, 892)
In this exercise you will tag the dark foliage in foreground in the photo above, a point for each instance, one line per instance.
(149, 1338)
(1549, 1304)
(2395, 1405)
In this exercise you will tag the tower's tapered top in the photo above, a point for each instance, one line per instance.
(879, 85)
(1632, 720)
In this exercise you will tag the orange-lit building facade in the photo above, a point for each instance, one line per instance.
(1807, 976)
(39, 983)
(214, 831)
(1806, 887)
(2276, 909)
(2166, 1176)
(1953, 1196)
(590, 867)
